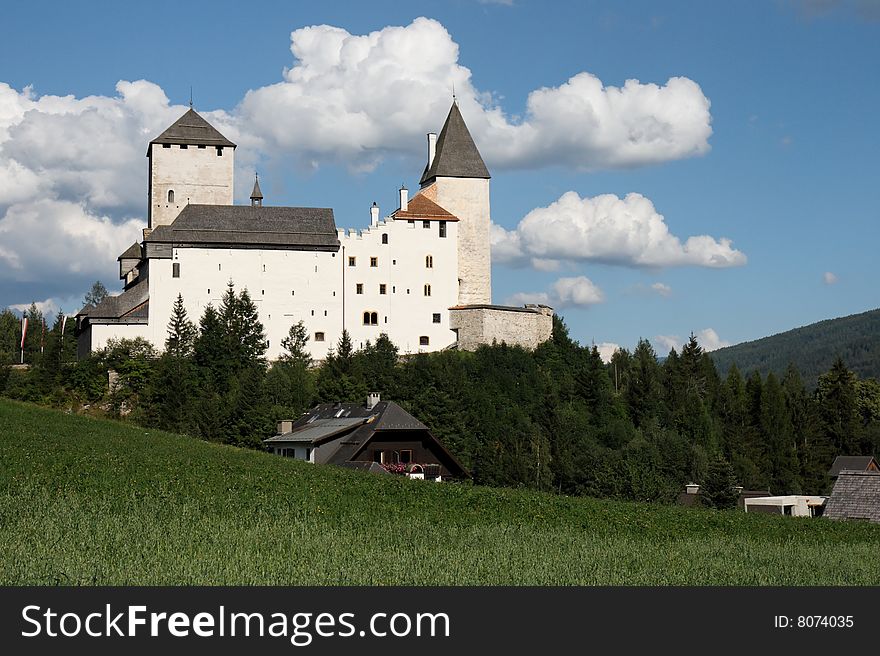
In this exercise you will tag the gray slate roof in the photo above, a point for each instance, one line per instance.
(133, 252)
(856, 495)
(132, 304)
(310, 227)
(852, 463)
(456, 154)
(192, 129)
(318, 430)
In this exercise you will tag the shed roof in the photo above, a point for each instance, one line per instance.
(456, 154)
(132, 304)
(856, 495)
(191, 128)
(225, 225)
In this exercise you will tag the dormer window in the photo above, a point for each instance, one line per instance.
(170, 195)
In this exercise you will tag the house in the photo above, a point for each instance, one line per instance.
(856, 495)
(421, 274)
(692, 497)
(794, 505)
(376, 436)
(853, 463)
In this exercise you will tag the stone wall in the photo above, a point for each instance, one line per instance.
(527, 326)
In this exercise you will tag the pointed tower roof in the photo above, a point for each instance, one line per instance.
(256, 194)
(192, 129)
(456, 155)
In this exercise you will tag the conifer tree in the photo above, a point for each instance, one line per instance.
(96, 294)
(719, 487)
(181, 331)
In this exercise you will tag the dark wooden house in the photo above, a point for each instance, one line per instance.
(376, 436)
(853, 463)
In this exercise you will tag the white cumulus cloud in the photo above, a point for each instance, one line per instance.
(607, 350)
(579, 291)
(625, 231)
(829, 278)
(358, 97)
(707, 338)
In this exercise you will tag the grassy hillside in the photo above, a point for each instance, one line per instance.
(86, 501)
(812, 348)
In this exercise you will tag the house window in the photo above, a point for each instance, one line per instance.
(175, 270)
(374, 261)
(319, 337)
(378, 456)
(443, 228)
(308, 454)
(406, 456)
(423, 340)
(436, 317)
(170, 195)
(219, 151)
(352, 261)
(426, 224)
(382, 289)
(359, 288)
(371, 318)
(427, 290)
(385, 238)
(429, 261)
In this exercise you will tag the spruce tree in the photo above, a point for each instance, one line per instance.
(181, 331)
(719, 486)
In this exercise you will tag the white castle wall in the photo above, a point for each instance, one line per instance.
(286, 286)
(195, 174)
(405, 313)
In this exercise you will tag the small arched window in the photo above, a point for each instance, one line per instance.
(170, 195)
(366, 318)
(385, 238)
(374, 318)
(429, 261)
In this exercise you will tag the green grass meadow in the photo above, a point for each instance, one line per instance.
(95, 502)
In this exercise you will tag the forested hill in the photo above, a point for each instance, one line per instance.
(812, 349)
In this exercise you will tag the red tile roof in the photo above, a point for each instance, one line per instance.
(423, 209)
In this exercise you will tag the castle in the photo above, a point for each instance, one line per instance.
(421, 275)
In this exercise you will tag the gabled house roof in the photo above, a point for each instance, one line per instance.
(853, 463)
(133, 252)
(192, 129)
(456, 154)
(856, 495)
(224, 225)
(347, 429)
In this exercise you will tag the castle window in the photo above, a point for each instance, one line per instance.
(443, 228)
(352, 261)
(427, 290)
(429, 261)
(426, 224)
(263, 292)
(201, 147)
(219, 151)
(371, 318)
(264, 268)
(393, 261)
(219, 267)
(411, 223)
(313, 313)
(292, 292)
(175, 270)
(436, 317)
(393, 289)
(325, 313)
(385, 238)
(183, 146)
(382, 289)
(319, 337)
(423, 340)
(374, 261)
(209, 290)
(170, 195)
(166, 145)
(386, 319)
(359, 288)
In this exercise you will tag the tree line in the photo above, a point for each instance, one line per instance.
(557, 418)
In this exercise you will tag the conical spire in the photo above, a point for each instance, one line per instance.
(456, 154)
(256, 194)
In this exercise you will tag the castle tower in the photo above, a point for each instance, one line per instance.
(457, 179)
(191, 162)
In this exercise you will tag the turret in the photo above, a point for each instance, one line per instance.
(256, 194)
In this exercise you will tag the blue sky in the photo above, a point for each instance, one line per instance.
(782, 160)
